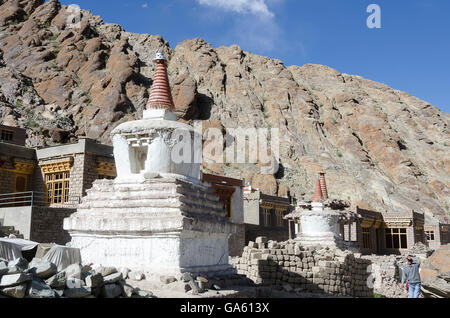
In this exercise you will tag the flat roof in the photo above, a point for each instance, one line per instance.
(17, 151)
(84, 145)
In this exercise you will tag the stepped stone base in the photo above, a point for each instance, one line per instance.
(327, 239)
(163, 226)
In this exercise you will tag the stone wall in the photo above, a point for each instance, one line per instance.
(7, 181)
(310, 269)
(90, 171)
(236, 242)
(47, 225)
(77, 176)
(276, 234)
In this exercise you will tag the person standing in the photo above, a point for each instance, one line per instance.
(411, 275)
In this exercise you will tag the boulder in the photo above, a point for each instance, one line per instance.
(111, 291)
(435, 274)
(40, 290)
(57, 281)
(81, 292)
(15, 291)
(95, 280)
(184, 97)
(113, 278)
(105, 271)
(41, 268)
(14, 279)
(21, 263)
(167, 279)
(136, 276)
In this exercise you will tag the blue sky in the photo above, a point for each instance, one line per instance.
(411, 52)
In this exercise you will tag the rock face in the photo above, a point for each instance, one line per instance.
(435, 274)
(380, 147)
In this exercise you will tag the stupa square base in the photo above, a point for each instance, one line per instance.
(159, 253)
(163, 226)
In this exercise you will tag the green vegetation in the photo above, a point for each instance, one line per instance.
(19, 103)
(31, 123)
(24, 89)
(47, 24)
(339, 154)
(53, 37)
(378, 296)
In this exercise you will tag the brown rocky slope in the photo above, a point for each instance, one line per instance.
(381, 148)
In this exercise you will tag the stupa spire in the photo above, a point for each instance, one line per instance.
(160, 95)
(323, 185)
(318, 193)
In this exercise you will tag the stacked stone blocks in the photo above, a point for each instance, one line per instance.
(311, 269)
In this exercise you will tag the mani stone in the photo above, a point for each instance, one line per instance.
(14, 279)
(81, 292)
(16, 291)
(113, 278)
(57, 281)
(42, 269)
(111, 291)
(95, 280)
(41, 290)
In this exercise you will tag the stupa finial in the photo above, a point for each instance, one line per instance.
(160, 95)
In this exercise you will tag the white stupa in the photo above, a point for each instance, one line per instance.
(156, 216)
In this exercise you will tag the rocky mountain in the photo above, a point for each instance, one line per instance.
(381, 148)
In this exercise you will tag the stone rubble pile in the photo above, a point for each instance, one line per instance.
(420, 250)
(435, 274)
(41, 279)
(195, 285)
(385, 271)
(297, 268)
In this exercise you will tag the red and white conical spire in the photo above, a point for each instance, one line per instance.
(318, 197)
(323, 185)
(160, 95)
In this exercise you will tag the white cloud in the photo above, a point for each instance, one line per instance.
(256, 7)
(145, 5)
